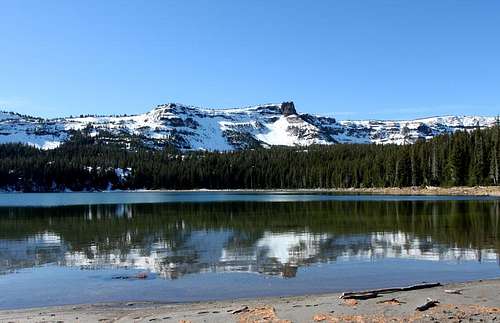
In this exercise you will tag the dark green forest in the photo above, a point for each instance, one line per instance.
(90, 163)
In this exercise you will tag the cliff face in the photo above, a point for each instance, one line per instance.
(188, 127)
(288, 108)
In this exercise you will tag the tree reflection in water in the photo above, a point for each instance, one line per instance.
(175, 239)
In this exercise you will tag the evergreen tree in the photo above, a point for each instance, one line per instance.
(90, 162)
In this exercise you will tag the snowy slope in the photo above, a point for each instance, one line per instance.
(408, 131)
(195, 128)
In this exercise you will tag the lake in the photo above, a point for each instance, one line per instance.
(72, 248)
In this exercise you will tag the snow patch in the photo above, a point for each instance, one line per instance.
(194, 128)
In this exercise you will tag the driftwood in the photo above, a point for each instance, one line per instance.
(430, 303)
(374, 293)
(453, 291)
(361, 295)
(392, 301)
(241, 310)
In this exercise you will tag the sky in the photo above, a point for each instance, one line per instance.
(348, 59)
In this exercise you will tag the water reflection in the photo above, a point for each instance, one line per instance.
(173, 240)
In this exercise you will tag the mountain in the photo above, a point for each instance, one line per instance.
(194, 128)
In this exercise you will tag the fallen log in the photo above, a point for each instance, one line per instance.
(360, 296)
(241, 310)
(428, 304)
(347, 295)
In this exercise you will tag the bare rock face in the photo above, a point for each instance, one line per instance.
(288, 108)
(195, 128)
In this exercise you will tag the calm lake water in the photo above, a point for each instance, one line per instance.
(76, 248)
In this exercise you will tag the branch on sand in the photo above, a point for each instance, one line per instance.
(428, 304)
(374, 293)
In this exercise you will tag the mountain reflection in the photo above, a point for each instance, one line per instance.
(173, 240)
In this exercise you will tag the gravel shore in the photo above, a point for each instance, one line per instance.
(477, 301)
(428, 190)
(413, 190)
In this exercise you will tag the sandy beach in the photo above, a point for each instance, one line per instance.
(477, 301)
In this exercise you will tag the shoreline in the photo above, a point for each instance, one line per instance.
(412, 190)
(429, 190)
(475, 301)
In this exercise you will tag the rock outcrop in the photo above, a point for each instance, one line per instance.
(193, 128)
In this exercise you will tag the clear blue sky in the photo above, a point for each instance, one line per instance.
(350, 59)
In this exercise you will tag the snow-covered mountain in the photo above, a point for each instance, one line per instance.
(189, 127)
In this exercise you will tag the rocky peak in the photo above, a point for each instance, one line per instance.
(189, 127)
(288, 108)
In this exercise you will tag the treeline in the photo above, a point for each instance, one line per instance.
(90, 163)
